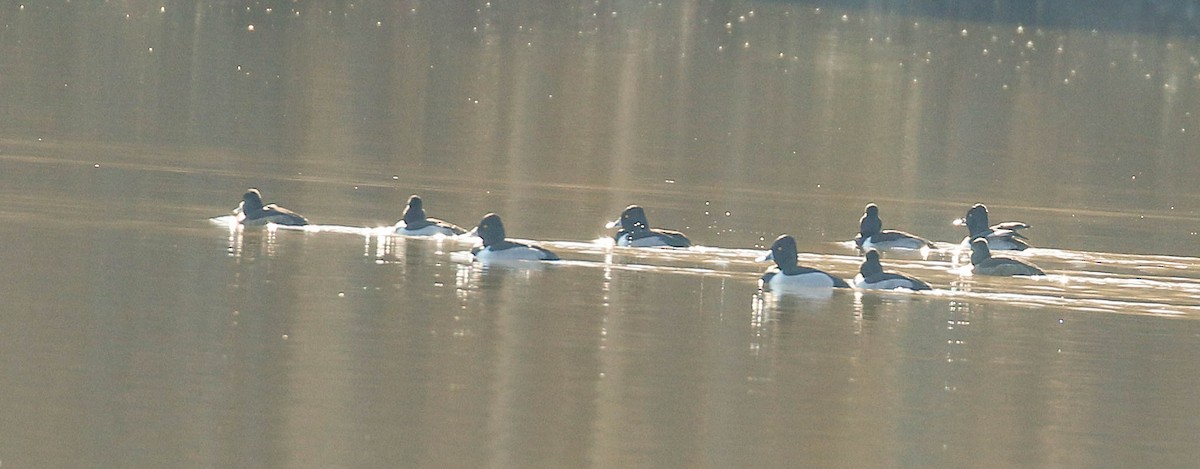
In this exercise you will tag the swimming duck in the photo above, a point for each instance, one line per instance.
(871, 234)
(252, 212)
(1001, 236)
(415, 223)
(984, 264)
(872, 277)
(787, 274)
(496, 248)
(636, 232)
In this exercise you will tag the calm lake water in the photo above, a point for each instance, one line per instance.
(137, 331)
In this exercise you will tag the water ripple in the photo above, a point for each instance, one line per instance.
(1078, 280)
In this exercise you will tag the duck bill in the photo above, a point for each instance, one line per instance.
(959, 222)
(769, 256)
(612, 224)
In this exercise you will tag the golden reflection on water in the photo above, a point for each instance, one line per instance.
(130, 339)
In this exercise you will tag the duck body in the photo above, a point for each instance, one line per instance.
(1001, 240)
(872, 277)
(871, 234)
(983, 263)
(513, 251)
(787, 274)
(435, 227)
(415, 223)
(802, 277)
(651, 237)
(889, 281)
(1001, 236)
(892, 239)
(636, 232)
(252, 212)
(498, 249)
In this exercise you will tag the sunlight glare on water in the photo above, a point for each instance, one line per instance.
(144, 327)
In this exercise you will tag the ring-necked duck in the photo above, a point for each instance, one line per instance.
(872, 277)
(1001, 236)
(636, 232)
(983, 263)
(496, 248)
(787, 274)
(871, 234)
(252, 212)
(415, 223)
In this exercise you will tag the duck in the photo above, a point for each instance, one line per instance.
(983, 263)
(252, 212)
(787, 274)
(415, 223)
(497, 249)
(1001, 236)
(636, 232)
(871, 234)
(872, 277)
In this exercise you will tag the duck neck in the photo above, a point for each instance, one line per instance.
(979, 255)
(870, 267)
(869, 226)
(251, 205)
(414, 215)
(785, 260)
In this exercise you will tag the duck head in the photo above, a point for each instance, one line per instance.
(252, 201)
(634, 218)
(870, 224)
(977, 219)
(783, 251)
(490, 229)
(870, 265)
(414, 212)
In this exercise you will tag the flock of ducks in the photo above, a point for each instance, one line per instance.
(635, 231)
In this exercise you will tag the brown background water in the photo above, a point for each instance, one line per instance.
(134, 332)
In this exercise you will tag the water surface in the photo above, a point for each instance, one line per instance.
(137, 332)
